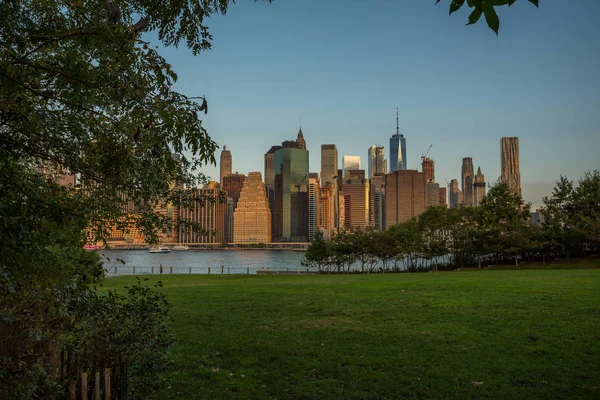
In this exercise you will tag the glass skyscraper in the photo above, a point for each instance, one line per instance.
(397, 153)
(291, 208)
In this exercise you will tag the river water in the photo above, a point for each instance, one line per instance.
(199, 261)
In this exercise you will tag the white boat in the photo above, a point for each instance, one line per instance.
(180, 248)
(160, 249)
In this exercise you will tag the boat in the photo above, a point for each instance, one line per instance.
(160, 249)
(92, 248)
(181, 248)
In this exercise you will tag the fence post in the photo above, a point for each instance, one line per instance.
(107, 395)
(248, 270)
(190, 270)
(97, 385)
(171, 270)
(134, 270)
(221, 270)
(84, 389)
(116, 270)
(73, 389)
(209, 270)
(152, 269)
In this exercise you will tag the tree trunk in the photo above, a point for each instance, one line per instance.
(479, 262)
(516, 260)
(543, 259)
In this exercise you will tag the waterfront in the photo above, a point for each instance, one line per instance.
(199, 262)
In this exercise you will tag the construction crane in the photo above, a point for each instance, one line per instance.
(427, 152)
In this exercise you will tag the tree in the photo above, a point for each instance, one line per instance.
(318, 253)
(485, 8)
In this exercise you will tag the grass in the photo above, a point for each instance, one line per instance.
(491, 334)
(560, 263)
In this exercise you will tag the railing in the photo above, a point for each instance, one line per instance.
(222, 270)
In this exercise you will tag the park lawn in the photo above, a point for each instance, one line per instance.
(486, 334)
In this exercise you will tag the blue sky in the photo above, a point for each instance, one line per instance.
(344, 66)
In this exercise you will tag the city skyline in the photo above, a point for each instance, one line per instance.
(514, 84)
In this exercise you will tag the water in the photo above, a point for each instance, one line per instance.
(198, 261)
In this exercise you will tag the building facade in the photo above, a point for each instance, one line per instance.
(329, 163)
(397, 149)
(443, 201)
(291, 206)
(377, 205)
(478, 187)
(252, 216)
(467, 181)
(327, 209)
(405, 195)
(225, 163)
(356, 201)
(350, 163)
(376, 162)
(207, 208)
(314, 193)
(232, 184)
(509, 152)
(455, 195)
(433, 194)
(428, 166)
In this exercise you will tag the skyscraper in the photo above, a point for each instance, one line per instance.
(350, 163)
(329, 163)
(252, 215)
(467, 181)
(478, 187)
(225, 163)
(356, 201)
(300, 140)
(509, 147)
(443, 201)
(327, 209)
(207, 208)
(232, 184)
(291, 206)
(428, 166)
(433, 194)
(376, 161)
(377, 198)
(397, 149)
(455, 195)
(405, 195)
(314, 193)
(270, 166)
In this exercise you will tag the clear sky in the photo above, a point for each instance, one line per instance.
(344, 66)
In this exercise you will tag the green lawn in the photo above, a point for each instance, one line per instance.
(485, 334)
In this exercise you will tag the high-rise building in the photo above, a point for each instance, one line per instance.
(314, 192)
(478, 187)
(376, 161)
(397, 150)
(509, 147)
(232, 184)
(291, 206)
(300, 140)
(269, 166)
(207, 208)
(329, 163)
(225, 163)
(327, 209)
(428, 166)
(356, 201)
(350, 163)
(252, 217)
(455, 195)
(377, 205)
(433, 194)
(405, 195)
(467, 180)
(443, 201)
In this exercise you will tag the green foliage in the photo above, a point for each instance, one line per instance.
(483, 7)
(318, 253)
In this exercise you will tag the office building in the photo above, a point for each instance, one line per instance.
(443, 201)
(478, 187)
(377, 205)
(509, 149)
(467, 181)
(327, 209)
(300, 140)
(206, 207)
(376, 161)
(314, 192)
(397, 150)
(428, 166)
(356, 201)
(270, 166)
(350, 163)
(232, 184)
(252, 216)
(433, 194)
(455, 195)
(225, 163)
(329, 163)
(405, 195)
(291, 206)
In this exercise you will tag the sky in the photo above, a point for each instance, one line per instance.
(341, 67)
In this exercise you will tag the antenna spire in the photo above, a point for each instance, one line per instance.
(397, 125)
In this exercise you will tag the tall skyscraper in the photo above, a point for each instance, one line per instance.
(478, 187)
(300, 140)
(270, 166)
(428, 166)
(232, 184)
(225, 163)
(356, 201)
(327, 209)
(468, 177)
(252, 216)
(350, 163)
(314, 193)
(329, 163)
(377, 205)
(433, 194)
(397, 149)
(455, 195)
(443, 201)
(405, 195)
(376, 161)
(509, 147)
(208, 210)
(291, 206)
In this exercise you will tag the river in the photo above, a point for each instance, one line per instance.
(199, 261)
